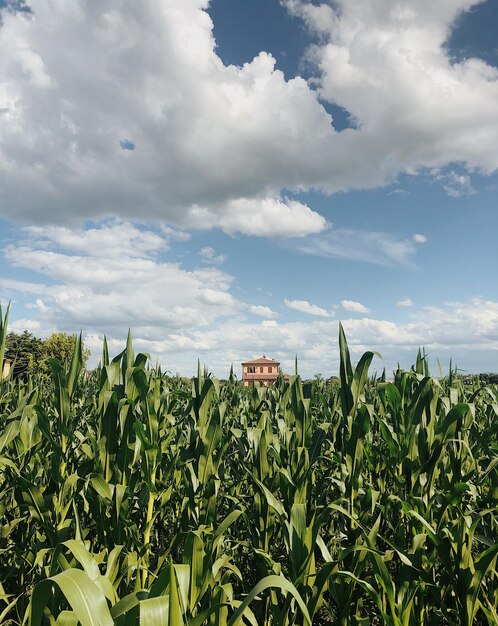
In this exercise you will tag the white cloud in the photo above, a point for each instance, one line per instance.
(418, 238)
(179, 315)
(110, 240)
(206, 145)
(109, 277)
(260, 216)
(262, 311)
(174, 234)
(303, 306)
(269, 324)
(209, 256)
(21, 285)
(354, 307)
(466, 331)
(405, 304)
(32, 326)
(356, 245)
(215, 145)
(386, 63)
(455, 185)
(216, 297)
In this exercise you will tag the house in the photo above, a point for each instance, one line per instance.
(263, 370)
(6, 368)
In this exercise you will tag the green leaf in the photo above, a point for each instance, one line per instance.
(271, 582)
(86, 600)
(67, 618)
(175, 614)
(154, 611)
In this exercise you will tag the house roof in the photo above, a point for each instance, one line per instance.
(261, 361)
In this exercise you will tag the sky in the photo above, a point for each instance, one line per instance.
(233, 178)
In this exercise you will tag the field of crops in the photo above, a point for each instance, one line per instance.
(129, 497)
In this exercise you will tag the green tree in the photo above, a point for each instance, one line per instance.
(24, 349)
(31, 355)
(58, 346)
(333, 382)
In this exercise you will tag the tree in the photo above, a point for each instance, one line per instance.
(31, 355)
(489, 378)
(333, 381)
(23, 349)
(58, 346)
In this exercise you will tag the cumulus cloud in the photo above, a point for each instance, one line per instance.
(405, 304)
(179, 315)
(466, 331)
(130, 120)
(114, 239)
(259, 216)
(354, 307)
(387, 65)
(32, 326)
(262, 311)
(303, 306)
(111, 277)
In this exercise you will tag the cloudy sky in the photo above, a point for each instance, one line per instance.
(232, 178)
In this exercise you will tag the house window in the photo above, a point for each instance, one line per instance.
(260, 370)
(251, 369)
(270, 370)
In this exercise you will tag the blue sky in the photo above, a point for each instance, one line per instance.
(230, 179)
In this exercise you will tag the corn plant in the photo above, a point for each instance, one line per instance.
(132, 497)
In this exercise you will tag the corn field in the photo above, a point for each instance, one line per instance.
(131, 497)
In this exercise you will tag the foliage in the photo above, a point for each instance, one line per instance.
(3, 334)
(32, 355)
(58, 346)
(24, 349)
(489, 379)
(131, 497)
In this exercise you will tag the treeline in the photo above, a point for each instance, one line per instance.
(30, 354)
(489, 379)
